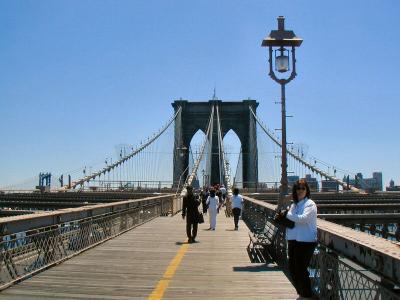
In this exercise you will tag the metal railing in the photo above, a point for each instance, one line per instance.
(346, 264)
(30, 244)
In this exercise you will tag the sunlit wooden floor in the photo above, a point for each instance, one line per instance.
(131, 266)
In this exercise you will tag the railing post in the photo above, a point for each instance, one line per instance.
(329, 284)
(385, 230)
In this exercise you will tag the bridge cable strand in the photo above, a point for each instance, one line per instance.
(209, 156)
(208, 136)
(123, 159)
(335, 169)
(226, 173)
(306, 164)
(238, 179)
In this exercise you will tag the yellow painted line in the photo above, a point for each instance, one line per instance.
(162, 285)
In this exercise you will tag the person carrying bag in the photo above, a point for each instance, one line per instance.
(200, 218)
(191, 212)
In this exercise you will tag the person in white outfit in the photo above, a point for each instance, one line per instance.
(237, 203)
(212, 202)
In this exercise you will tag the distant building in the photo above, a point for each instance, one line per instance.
(292, 180)
(329, 186)
(312, 182)
(374, 183)
(392, 187)
(368, 184)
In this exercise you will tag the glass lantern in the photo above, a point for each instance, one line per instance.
(282, 60)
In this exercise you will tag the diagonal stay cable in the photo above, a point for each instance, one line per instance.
(192, 175)
(298, 158)
(238, 168)
(221, 149)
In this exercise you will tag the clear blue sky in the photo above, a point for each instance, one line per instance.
(79, 77)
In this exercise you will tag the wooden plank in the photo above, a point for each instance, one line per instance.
(130, 266)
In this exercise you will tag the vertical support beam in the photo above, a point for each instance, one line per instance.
(249, 147)
(215, 155)
(284, 180)
(385, 230)
(180, 160)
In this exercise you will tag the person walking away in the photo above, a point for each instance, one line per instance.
(228, 207)
(237, 204)
(203, 197)
(302, 239)
(223, 191)
(213, 203)
(191, 212)
(218, 193)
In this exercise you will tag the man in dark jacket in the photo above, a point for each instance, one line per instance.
(191, 212)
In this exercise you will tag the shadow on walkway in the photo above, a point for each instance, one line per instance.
(181, 243)
(257, 268)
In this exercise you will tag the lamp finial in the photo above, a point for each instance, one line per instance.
(281, 23)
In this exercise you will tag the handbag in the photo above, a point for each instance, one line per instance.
(281, 219)
(200, 218)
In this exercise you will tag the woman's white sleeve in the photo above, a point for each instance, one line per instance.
(309, 213)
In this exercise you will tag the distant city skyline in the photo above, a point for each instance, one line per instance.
(79, 78)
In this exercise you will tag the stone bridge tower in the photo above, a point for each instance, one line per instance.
(233, 115)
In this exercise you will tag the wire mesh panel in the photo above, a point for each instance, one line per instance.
(25, 253)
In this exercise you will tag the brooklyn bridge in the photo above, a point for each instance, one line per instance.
(115, 232)
(78, 79)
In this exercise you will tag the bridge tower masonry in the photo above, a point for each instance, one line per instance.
(233, 115)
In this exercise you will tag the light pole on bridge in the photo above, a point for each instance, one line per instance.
(276, 42)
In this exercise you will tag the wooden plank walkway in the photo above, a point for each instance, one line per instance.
(132, 265)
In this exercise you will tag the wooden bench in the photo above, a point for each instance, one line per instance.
(259, 243)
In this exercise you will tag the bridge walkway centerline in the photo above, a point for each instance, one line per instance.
(131, 265)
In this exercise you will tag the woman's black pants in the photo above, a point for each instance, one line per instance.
(300, 254)
(236, 215)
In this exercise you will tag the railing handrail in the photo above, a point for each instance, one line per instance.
(15, 224)
(378, 254)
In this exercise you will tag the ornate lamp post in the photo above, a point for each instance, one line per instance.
(278, 41)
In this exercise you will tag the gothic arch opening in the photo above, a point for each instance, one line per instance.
(232, 146)
(194, 151)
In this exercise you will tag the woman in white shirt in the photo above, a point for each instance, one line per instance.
(237, 201)
(213, 203)
(302, 239)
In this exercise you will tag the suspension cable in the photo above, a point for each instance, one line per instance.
(301, 160)
(238, 168)
(192, 175)
(122, 159)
